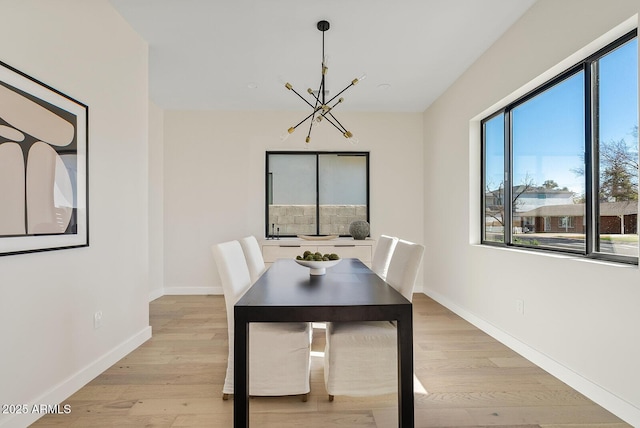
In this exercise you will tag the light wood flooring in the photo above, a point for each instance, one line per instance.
(465, 379)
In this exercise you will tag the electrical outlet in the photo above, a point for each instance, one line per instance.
(520, 306)
(97, 320)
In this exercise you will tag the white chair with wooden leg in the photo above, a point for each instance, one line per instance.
(279, 353)
(360, 358)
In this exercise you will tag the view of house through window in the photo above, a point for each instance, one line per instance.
(617, 136)
(548, 134)
(568, 181)
(316, 193)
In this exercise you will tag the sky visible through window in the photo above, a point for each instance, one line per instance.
(548, 130)
(548, 136)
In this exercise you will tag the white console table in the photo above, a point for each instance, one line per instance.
(289, 248)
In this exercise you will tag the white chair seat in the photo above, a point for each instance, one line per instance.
(371, 364)
(281, 371)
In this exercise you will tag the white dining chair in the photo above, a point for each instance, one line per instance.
(360, 358)
(253, 256)
(279, 362)
(404, 266)
(382, 256)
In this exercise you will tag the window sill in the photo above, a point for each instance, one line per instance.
(557, 255)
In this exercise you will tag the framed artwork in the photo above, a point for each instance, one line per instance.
(43, 166)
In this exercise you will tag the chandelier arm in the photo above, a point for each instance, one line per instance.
(315, 98)
(342, 128)
(309, 133)
(313, 117)
(303, 98)
(316, 108)
(339, 128)
(339, 93)
(303, 120)
(325, 112)
(320, 90)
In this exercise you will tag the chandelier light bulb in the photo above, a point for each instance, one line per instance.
(284, 136)
(359, 79)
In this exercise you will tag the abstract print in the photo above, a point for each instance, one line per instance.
(39, 164)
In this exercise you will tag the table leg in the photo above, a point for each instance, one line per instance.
(240, 371)
(405, 369)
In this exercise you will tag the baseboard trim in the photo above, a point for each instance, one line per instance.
(616, 405)
(69, 386)
(153, 295)
(182, 291)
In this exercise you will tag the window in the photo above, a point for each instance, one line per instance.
(493, 133)
(565, 222)
(560, 164)
(315, 193)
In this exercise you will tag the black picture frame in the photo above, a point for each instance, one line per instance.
(43, 166)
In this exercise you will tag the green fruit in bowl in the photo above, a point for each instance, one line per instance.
(317, 257)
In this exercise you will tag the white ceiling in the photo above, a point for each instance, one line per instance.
(237, 54)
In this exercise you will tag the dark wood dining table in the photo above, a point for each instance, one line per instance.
(349, 291)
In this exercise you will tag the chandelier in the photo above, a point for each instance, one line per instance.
(321, 108)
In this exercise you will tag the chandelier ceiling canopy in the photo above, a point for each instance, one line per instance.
(321, 108)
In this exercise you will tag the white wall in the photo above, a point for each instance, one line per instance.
(48, 346)
(156, 201)
(214, 181)
(581, 318)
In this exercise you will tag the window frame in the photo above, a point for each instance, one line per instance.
(591, 172)
(317, 154)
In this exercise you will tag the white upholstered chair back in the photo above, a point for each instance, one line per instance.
(403, 268)
(382, 256)
(234, 275)
(253, 255)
